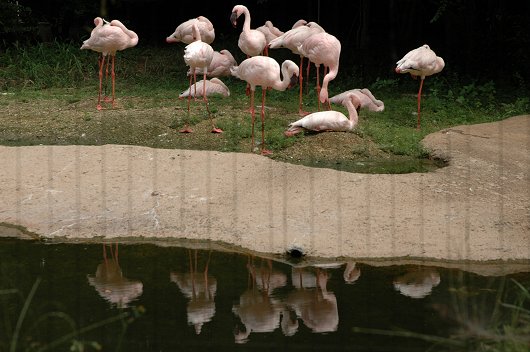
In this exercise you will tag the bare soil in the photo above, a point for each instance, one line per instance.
(476, 209)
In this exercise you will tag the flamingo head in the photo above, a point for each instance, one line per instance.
(233, 18)
(236, 12)
(398, 70)
(293, 81)
(171, 39)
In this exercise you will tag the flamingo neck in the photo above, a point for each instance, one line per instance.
(132, 35)
(196, 32)
(284, 82)
(352, 112)
(246, 24)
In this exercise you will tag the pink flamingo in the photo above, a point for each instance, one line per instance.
(220, 66)
(107, 38)
(421, 62)
(323, 48)
(292, 40)
(251, 41)
(265, 72)
(270, 33)
(367, 99)
(199, 54)
(213, 86)
(328, 120)
(184, 31)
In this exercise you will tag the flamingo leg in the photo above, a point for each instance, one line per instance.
(326, 69)
(113, 80)
(252, 117)
(307, 76)
(186, 128)
(194, 84)
(301, 112)
(419, 104)
(263, 150)
(105, 96)
(318, 85)
(101, 60)
(205, 98)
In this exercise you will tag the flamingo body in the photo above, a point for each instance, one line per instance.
(323, 48)
(184, 31)
(213, 86)
(328, 120)
(251, 41)
(421, 62)
(366, 98)
(220, 66)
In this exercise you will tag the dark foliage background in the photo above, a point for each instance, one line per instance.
(478, 39)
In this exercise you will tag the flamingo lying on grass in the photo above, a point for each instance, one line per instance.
(367, 99)
(213, 86)
(265, 72)
(421, 62)
(328, 120)
(107, 38)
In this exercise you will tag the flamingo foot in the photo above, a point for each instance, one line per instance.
(216, 130)
(186, 129)
(107, 99)
(303, 113)
(266, 152)
(99, 107)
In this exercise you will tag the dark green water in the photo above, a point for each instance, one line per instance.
(149, 298)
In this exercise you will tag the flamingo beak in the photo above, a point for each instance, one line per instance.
(233, 19)
(398, 70)
(294, 80)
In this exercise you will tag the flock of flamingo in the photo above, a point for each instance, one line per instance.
(308, 40)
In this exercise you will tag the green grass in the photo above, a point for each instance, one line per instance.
(49, 95)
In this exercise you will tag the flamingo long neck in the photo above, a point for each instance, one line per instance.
(333, 71)
(286, 79)
(246, 24)
(196, 32)
(352, 112)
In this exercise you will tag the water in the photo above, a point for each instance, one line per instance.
(142, 297)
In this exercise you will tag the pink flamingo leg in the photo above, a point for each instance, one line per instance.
(106, 98)
(301, 112)
(205, 98)
(113, 81)
(419, 104)
(307, 76)
(263, 150)
(252, 117)
(186, 128)
(101, 61)
(318, 86)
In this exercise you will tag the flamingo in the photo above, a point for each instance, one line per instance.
(220, 66)
(107, 38)
(328, 120)
(323, 48)
(110, 283)
(251, 41)
(421, 62)
(291, 40)
(184, 31)
(265, 72)
(367, 99)
(270, 33)
(213, 86)
(199, 54)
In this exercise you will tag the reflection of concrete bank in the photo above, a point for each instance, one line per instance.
(110, 283)
(199, 288)
(418, 283)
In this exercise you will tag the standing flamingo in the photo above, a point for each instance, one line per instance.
(220, 66)
(107, 38)
(184, 31)
(292, 39)
(328, 120)
(251, 41)
(265, 72)
(323, 48)
(199, 54)
(421, 62)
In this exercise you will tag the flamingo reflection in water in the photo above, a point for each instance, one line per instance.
(417, 283)
(199, 288)
(311, 301)
(110, 283)
(258, 309)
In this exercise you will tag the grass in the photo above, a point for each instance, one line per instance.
(49, 97)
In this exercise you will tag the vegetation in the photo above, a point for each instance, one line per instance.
(49, 91)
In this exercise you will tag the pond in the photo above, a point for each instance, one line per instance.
(145, 297)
